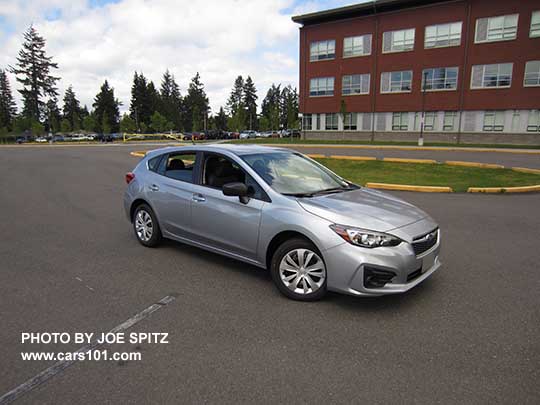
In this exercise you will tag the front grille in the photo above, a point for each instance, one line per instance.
(425, 242)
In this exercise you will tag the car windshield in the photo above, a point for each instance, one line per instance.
(293, 174)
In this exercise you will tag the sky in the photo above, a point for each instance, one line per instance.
(94, 40)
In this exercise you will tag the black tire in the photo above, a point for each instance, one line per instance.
(290, 246)
(146, 212)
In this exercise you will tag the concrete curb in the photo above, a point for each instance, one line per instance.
(406, 187)
(473, 164)
(392, 147)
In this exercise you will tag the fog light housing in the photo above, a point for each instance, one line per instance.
(377, 278)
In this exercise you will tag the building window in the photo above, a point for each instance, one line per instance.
(349, 121)
(493, 121)
(438, 36)
(499, 28)
(357, 46)
(449, 120)
(398, 41)
(440, 78)
(355, 84)
(535, 25)
(396, 82)
(322, 50)
(400, 121)
(533, 125)
(430, 119)
(317, 121)
(321, 86)
(532, 73)
(487, 76)
(515, 121)
(331, 122)
(307, 122)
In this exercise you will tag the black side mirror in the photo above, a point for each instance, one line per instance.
(237, 189)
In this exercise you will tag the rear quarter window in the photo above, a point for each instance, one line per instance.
(153, 164)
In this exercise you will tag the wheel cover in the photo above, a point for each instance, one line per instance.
(302, 271)
(144, 226)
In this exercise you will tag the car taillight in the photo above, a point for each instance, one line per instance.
(129, 177)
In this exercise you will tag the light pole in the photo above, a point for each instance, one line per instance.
(421, 137)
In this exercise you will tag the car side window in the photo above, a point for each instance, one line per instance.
(219, 170)
(153, 164)
(178, 166)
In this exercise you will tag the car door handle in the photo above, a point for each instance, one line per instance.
(198, 198)
(153, 187)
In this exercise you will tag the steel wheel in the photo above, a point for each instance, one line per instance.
(144, 225)
(302, 271)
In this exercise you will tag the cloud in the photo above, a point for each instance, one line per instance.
(218, 38)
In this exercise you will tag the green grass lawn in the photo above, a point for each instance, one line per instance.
(457, 177)
(348, 142)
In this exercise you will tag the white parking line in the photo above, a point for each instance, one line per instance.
(60, 366)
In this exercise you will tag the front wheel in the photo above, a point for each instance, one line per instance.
(298, 270)
(146, 226)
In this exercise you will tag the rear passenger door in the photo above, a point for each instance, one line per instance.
(171, 192)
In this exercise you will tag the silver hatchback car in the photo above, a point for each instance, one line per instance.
(278, 209)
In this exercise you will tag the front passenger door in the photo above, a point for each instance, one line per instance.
(222, 221)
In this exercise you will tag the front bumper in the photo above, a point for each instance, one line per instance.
(347, 264)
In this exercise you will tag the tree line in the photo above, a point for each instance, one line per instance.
(150, 109)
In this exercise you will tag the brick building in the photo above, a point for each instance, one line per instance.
(368, 71)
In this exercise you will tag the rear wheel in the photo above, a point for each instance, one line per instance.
(146, 226)
(298, 270)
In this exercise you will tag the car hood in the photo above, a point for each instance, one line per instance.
(364, 208)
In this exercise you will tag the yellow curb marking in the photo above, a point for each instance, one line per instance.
(138, 154)
(429, 148)
(522, 189)
(406, 187)
(526, 170)
(365, 158)
(316, 156)
(473, 164)
(402, 160)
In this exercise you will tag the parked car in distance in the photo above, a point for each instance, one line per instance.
(41, 139)
(248, 134)
(57, 138)
(20, 140)
(278, 209)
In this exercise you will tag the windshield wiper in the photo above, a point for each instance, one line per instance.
(299, 194)
(334, 190)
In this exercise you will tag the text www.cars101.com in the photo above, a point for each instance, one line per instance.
(95, 355)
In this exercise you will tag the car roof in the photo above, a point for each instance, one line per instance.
(222, 147)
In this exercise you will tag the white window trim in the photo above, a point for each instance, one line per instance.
(454, 116)
(356, 56)
(530, 26)
(323, 95)
(325, 59)
(443, 46)
(355, 124)
(495, 40)
(401, 115)
(357, 94)
(525, 74)
(493, 87)
(435, 90)
(326, 121)
(397, 92)
(391, 44)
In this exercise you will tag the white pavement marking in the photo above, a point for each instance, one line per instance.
(60, 366)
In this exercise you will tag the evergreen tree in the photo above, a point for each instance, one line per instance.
(8, 110)
(65, 125)
(141, 101)
(127, 124)
(106, 111)
(237, 96)
(196, 105)
(53, 115)
(153, 99)
(171, 105)
(221, 120)
(271, 107)
(289, 107)
(89, 122)
(250, 103)
(160, 123)
(72, 109)
(33, 72)
(237, 122)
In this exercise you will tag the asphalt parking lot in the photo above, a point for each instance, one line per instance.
(470, 334)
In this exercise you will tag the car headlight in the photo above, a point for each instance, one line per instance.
(364, 237)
